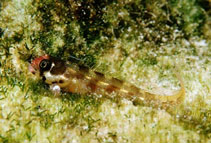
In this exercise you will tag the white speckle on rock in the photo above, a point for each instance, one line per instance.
(112, 111)
(201, 43)
(85, 127)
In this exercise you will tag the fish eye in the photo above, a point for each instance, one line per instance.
(45, 65)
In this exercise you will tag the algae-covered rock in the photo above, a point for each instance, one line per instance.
(134, 40)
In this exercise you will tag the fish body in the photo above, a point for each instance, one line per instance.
(79, 79)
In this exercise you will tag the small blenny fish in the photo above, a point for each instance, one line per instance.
(60, 75)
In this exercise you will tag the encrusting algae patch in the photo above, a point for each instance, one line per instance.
(141, 42)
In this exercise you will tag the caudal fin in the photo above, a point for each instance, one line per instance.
(164, 100)
(177, 97)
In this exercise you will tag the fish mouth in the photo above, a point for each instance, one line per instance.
(31, 69)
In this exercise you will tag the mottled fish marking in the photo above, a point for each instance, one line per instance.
(83, 80)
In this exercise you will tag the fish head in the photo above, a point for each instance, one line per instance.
(40, 64)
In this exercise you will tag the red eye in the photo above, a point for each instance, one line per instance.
(36, 62)
(45, 65)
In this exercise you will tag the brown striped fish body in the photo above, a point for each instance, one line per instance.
(81, 80)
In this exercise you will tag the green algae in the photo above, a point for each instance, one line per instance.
(137, 41)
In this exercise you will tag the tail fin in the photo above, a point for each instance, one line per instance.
(165, 100)
(179, 95)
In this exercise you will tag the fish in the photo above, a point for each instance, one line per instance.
(66, 77)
